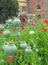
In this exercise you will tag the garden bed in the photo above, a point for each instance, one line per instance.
(31, 42)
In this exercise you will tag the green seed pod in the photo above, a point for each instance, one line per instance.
(23, 44)
(28, 50)
(6, 33)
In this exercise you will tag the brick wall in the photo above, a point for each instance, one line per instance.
(43, 12)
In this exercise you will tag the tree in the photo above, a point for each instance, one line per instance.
(8, 8)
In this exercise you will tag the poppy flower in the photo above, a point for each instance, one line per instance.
(1, 32)
(19, 53)
(46, 21)
(44, 28)
(8, 59)
(22, 28)
(13, 59)
(33, 23)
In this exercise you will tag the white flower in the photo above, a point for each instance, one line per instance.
(31, 32)
(28, 21)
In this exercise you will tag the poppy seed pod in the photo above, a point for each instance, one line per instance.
(18, 34)
(23, 44)
(16, 22)
(10, 49)
(6, 33)
(1, 27)
(28, 50)
(9, 21)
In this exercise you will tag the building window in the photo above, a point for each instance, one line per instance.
(24, 8)
(20, 9)
(46, 4)
(30, 6)
(38, 4)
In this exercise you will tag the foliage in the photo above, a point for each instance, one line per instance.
(8, 8)
(38, 42)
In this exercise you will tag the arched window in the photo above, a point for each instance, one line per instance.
(38, 4)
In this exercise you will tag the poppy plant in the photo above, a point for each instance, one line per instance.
(44, 28)
(19, 53)
(8, 59)
(22, 28)
(46, 21)
(13, 59)
(33, 23)
(1, 32)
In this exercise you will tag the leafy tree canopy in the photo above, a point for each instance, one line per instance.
(8, 8)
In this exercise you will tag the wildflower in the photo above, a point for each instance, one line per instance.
(22, 28)
(44, 28)
(33, 23)
(1, 32)
(46, 21)
(19, 53)
(31, 32)
(8, 59)
(12, 59)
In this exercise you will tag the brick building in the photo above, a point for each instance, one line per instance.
(38, 7)
(22, 6)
